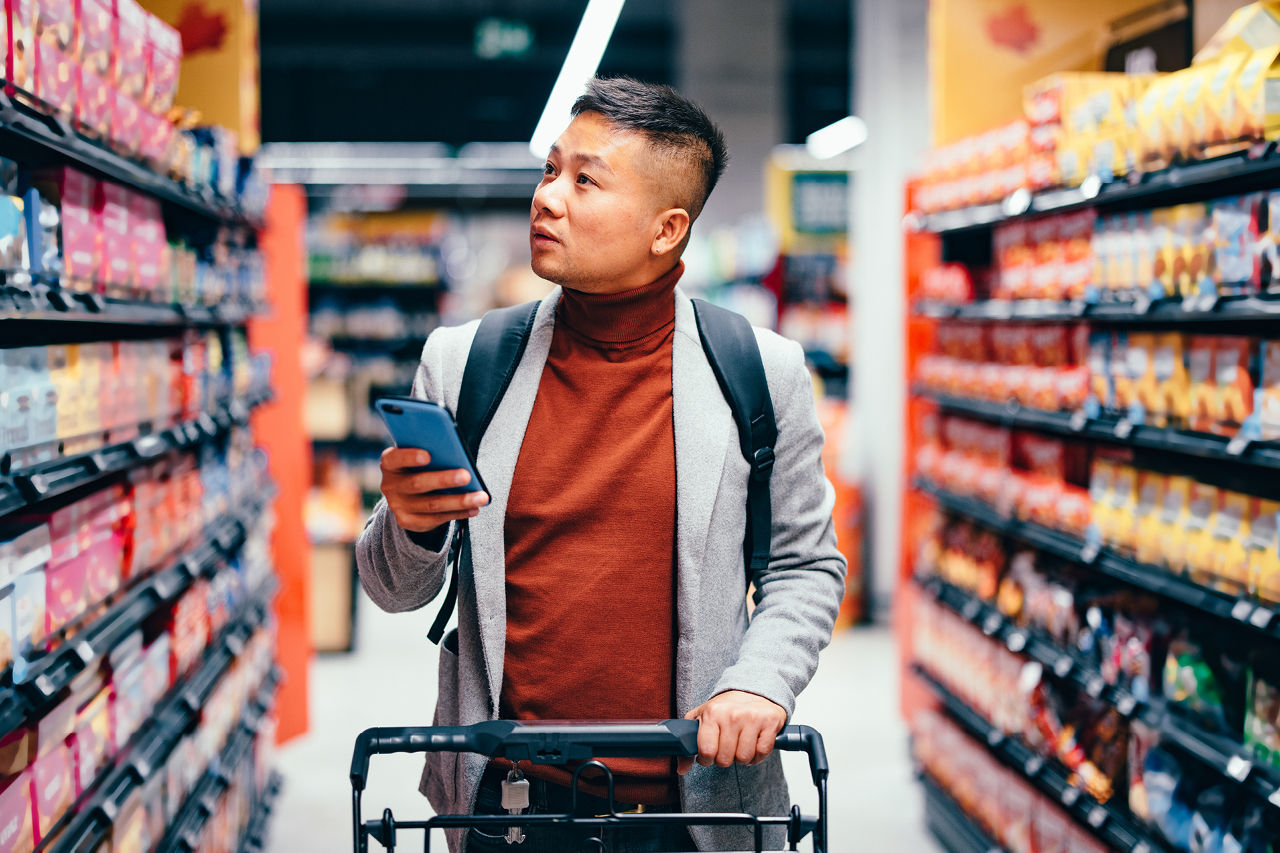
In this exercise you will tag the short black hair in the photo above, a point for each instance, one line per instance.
(673, 124)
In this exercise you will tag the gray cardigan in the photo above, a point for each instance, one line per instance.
(771, 652)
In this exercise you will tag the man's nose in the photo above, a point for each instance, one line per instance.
(549, 198)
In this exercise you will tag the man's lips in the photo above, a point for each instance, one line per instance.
(539, 234)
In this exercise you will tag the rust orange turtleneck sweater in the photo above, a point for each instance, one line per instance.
(590, 530)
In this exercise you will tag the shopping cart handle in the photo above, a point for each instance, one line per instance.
(539, 743)
(805, 739)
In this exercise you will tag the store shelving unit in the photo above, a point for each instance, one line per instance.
(1215, 752)
(950, 825)
(37, 311)
(1194, 310)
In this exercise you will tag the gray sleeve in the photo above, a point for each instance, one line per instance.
(397, 573)
(798, 597)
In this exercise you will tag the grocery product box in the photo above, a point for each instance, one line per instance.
(57, 54)
(73, 193)
(1256, 113)
(112, 207)
(1235, 365)
(1249, 28)
(17, 834)
(1228, 565)
(164, 59)
(1236, 261)
(52, 789)
(1267, 400)
(20, 56)
(1264, 551)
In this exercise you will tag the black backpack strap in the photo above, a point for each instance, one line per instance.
(731, 347)
(495, 353)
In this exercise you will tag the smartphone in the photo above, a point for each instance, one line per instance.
(425, 426)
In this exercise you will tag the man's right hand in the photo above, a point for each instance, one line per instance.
(413, 496)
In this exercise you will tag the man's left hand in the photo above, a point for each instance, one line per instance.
(735, 726)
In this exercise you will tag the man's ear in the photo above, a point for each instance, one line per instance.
(673, 228)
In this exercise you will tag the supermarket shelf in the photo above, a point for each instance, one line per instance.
(950, 825)
(25, 487)
(1254, 618)
(255, 836)
(1117, 431)
(352, 445)
(32, 137)
(1219, 753)
(55, 672)
(1108, 822)
(149, 750)
(410, 347)
(1222, 176)
(53, 305)
(372, 289)
(199, 807)
(1211, 309)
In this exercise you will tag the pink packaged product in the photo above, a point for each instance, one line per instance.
(146, 242)
(91, 741)
(155, 138)
(57, 54)
(95, 104)
(20, 53)
(52, 789)
(131, 48)
(113, 220)
(65, 592)
(74, 194)
(97, 49)
(17, 835)
(164, 54)
(126, 123)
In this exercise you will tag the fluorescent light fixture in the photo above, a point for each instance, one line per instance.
(837, 138)
(579, 67)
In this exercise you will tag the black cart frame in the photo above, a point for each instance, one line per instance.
(584, 744)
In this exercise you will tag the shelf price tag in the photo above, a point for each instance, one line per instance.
(1070, 796)
(1097, 817)
(1262, 618)
(971, 609)
(1123, 429)
(992, 624)
(1095, 686)
(1035, 764)
(995, 737)
(1238, 767)
(1126, 705)
(1274, 799)
(1089, 553)
(1063, 665)
(1241, 611)
(1079, 420)
(1016, 641)
(1142, 847)
(1238, 445)
(1191, 304)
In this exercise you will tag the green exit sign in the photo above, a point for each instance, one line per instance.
(497, 38)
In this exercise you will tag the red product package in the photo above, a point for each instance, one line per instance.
(65, 591)
(113, 220)
(155, 139)
(96, 103)
(1014, 259)
(146, 241)
(1236, 366)
(131, 48)
(1046, 274)
(97, 36)
(52, 789)
(164, 58)
(57, 54)
(1077, 254)
(20, 34)
(17, 834)
(189, 629)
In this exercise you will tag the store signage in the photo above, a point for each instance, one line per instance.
(820, 202)
(497, 38)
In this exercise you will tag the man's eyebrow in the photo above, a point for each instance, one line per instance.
(588, 159)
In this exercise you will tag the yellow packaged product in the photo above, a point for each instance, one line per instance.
(1142, 371)
(64, 375)
(1228, 558)
(1249, 28)
(1257, 104)
(1148, 546)
(1264, 551)
(1220, 94)
(1175, 508)
(1201, 521)
(1173, 388)
(1195, 112)
(1123, 376)
(1149, 126)
(1124, 505)
(1102, 476)
(1165, 256)
(1075, 155)
(1172, 114)
(1267, 403)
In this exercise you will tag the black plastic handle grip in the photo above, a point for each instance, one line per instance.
(805, 739)
(543, 743)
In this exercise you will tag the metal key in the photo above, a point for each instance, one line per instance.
(515, 799)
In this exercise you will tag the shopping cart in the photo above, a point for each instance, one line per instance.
(583, 744)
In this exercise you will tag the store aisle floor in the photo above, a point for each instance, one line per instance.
(390, 680)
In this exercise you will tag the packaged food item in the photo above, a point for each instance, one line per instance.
(92, 740)
(1149, 544)
(1077, 262)
(1175, 511)
(1262, 713)
(131, 46)
(1249, 27)
(20, 56)
(17, 834)
(1124, 504)
(6, 626)
(1046, 275)
(57, 55)
(1192, 237)
(1201, 520)
(1269, 246)
(1235, 229)
(165, 57)
(1228, 568)
(1173, 388)
(28, 619)
(112, 206)
(1220, 104)
(1263, 547)
(1257, 110)
(1167, 258)
(1235, 363)
(1202, 376)
(73, 193)
(53, 789)
(126, 123)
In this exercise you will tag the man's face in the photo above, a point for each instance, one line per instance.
(595, 214)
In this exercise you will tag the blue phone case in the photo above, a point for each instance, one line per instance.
(424, 425)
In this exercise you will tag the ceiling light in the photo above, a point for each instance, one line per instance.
(837, 138)
(579, 67)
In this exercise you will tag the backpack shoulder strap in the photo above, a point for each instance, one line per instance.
(495, 353)
(731, 348)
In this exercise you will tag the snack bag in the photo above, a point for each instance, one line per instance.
(1201, 521)
(1235, 240)
(1150, 128)
(1263, 546)
(1195, 113)
(1249, 27)
(1143, 397)
(1123, 381)
(1147, 544)
(1267, 397)
(1167, 260)
(1235, 363)
(1175, 512)
(1228, 563)
(1202, 376)
(1102, 477)
(1220, 98)
(1257, 103)
(1124, 506)
(1193, 239)
(1173, 388)
(1046, 274)
(1077, 254)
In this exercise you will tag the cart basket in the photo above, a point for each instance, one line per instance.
(557, 743)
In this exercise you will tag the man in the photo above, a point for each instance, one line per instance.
(605, 574)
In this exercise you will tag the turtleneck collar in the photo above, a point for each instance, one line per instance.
(621, 318)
